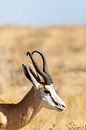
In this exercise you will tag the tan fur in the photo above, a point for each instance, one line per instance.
(18, 115)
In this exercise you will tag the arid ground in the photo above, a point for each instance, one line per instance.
(65, 50)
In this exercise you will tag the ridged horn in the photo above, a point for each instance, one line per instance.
(45, 67)
(44, 75)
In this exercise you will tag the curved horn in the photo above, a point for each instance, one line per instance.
(46, 78)
(36, 76)
(45, 67)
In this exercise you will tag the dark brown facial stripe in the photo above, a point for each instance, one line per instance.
(46, 91)
(54, 100)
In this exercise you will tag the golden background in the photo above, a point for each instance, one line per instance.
(65, 50)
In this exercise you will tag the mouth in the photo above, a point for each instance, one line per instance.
(59, 109)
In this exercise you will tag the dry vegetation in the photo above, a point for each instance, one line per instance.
(65, 49)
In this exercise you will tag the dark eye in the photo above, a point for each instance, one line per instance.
(46, 91)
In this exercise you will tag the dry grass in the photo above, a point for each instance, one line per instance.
(72, 126)
(65, 48)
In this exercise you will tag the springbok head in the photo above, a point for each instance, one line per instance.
(47, 91)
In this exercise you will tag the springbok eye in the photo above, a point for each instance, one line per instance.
(46, 91)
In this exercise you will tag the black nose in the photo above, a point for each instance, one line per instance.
(63, 106)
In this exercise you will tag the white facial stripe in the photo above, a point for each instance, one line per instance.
(48, 101)
(33, 79)
(55, 97)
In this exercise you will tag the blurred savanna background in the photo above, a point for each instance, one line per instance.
(61, 35)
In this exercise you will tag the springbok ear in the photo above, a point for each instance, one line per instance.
(30, 75)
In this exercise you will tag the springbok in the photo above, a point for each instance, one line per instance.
(41, 94)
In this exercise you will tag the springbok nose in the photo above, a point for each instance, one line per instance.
(63, 106)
